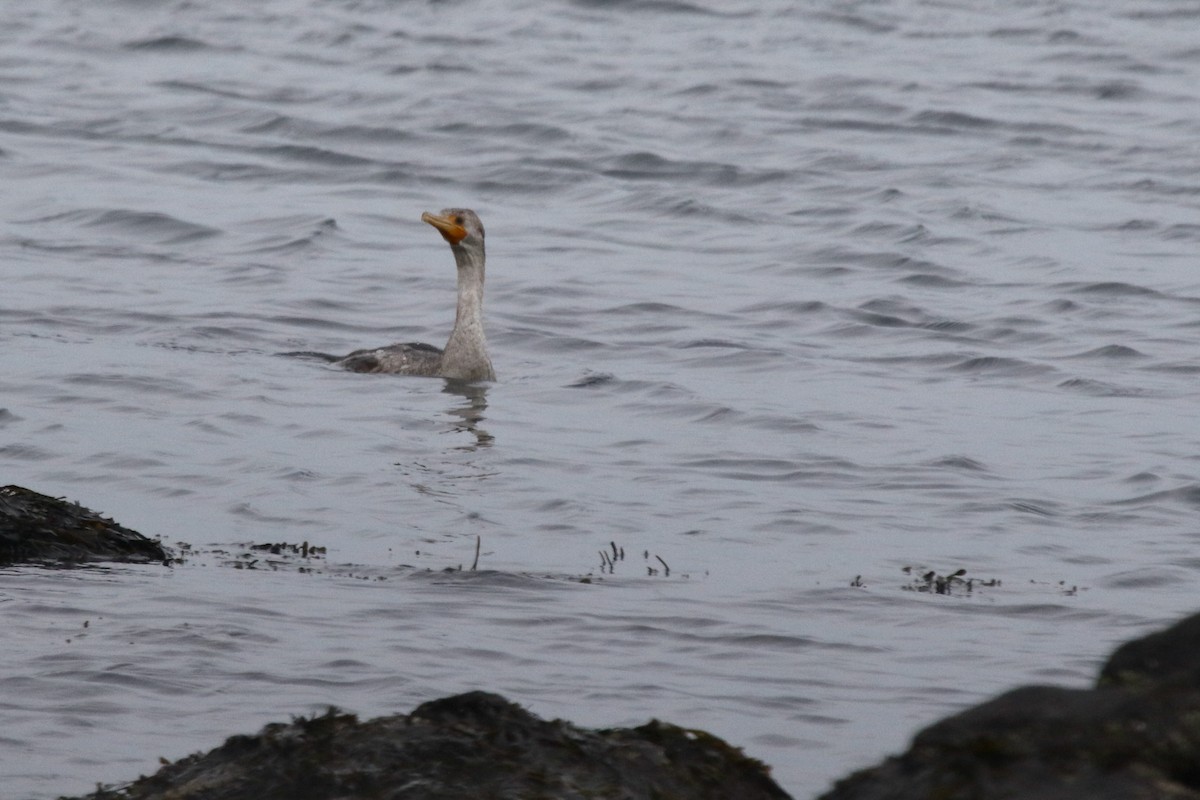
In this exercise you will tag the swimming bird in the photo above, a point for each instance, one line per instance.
(465, 356)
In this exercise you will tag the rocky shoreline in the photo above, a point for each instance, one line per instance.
(474, 745)
(1135, 734)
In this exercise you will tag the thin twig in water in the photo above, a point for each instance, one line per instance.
(475, 563)
(666, 569)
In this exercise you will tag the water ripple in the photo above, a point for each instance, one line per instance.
(767, 335)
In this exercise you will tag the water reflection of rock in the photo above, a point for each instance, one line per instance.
(471, 413)
(474, 745)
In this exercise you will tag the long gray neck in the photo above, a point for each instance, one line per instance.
(465, 356)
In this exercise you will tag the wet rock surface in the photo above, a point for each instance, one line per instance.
(36, 528)
(1135, 735)
(474, 745)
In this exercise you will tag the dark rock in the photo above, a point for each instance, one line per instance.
(1136, 735)
(474, 745)
(1169, 652)
(35, 528)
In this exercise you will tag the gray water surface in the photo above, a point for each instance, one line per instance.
(779, 293)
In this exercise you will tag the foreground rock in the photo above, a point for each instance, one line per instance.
(1136, 735)
(474, 745)
(35, 528)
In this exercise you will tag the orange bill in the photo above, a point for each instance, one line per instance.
(451, 231)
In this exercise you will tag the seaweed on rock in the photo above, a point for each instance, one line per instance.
(37, 528)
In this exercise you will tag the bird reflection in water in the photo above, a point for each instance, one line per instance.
(471, 412)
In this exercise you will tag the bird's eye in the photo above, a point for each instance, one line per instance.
(458, 220)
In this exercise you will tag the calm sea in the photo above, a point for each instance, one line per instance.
(782, 296)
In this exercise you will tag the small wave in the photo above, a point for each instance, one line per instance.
(137, 384)
(1061, 306)
(1177, 368)
(926, 280)
(291, 126)
(1188, 495)
(789, 307)
(953, 326)
(248, 511)
(998, 365)
(644, 165)
(647, 307)
(314, 155)
(720, 414)
(771, 469)
(953, 120)
(524, 177)
(287, 242)
(525, 132)
(1131, 225)
(486, 579)
(659, 6)
(595, 379)
(1110, 289)
(288, 94)
(1041, 509)
(23, 452)
(450, 67)
(689, 207)
(963, 463)
(161, 226)
(1099, 388)
(153, 225)
(891, 314)
(225, 172)
(1161, 187)
(1148, 578)
(1018, 87)
(1114, 90)
(881, 320)
(858, 21)
(718, 343)
(1189, 233)
(1110, 351)
(552, 342)
(175, 44)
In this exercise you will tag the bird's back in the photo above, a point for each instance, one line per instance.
(410, 358)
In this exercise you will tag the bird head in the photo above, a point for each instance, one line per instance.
(458, 226)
